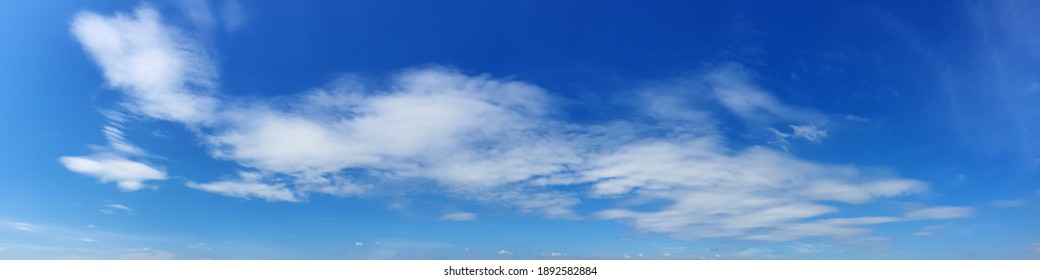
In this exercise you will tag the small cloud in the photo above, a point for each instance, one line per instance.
(960, 179)
(127, 174)
(855, 118)
(938, 213)
(667, 255)
(147, 254)
(459, 216)
(1008, 203)
(931, 230)
(234, 16)
(200, 246)
(112, 208)
(554, 254)
(88, 240)
(359, 244)
(248, 186)
(803, 248)
(504, 253)
(22, 226)
(808, 132)
(91, 226)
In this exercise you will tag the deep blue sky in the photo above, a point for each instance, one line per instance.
(519, 130)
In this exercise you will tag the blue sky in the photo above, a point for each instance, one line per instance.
(519, 130)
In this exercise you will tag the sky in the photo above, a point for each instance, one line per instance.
(519, 130)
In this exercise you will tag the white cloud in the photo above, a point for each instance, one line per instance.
(1008, 203)
(249, 185)
(200, 246)
(117, 140)
(504, 253)
(731, 87)
(941, 212)
(127, 174)
(26, 227)
(808, 132)
(459, 216)
(147, 254)
(234, 15)
(708, 192)
(932, 230)
(855, 118)
(554, 254)
(162, 71)
(111, 163)
(87, 240)
(494, 141)
(359, 244)
(110, 209)
(804, 248)
(199, 13)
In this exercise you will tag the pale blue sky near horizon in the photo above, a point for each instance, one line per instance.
(459, 129)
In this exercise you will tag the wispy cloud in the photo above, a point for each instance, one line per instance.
(730, 86)
(26, 227)
(234, 15)
(248, 185)
(806, 132)
(931, 230)
(855, 118)
(112, 163)
(166, 74)
(504, 253)
(127, 174)
(554, 254)
(1008, 203)
(495, 141)
(459, 216)
(146, 254)
(111, 208)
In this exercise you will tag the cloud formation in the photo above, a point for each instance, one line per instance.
(492, 140)
(111, 208)
(459, 216)
(112, 163)
(1008, 203)
(165, 74)
(127, 174)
